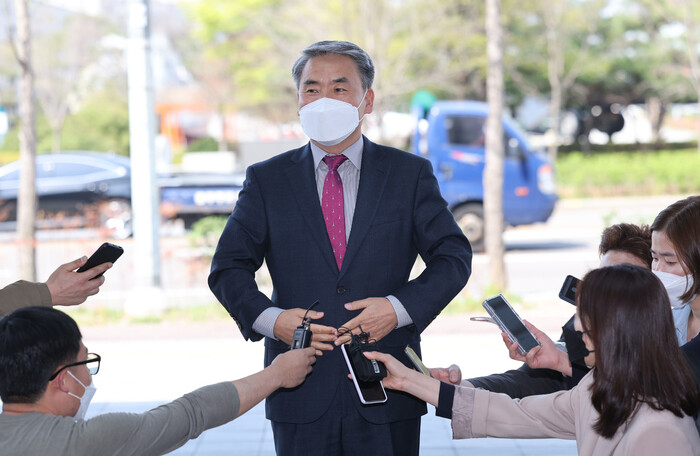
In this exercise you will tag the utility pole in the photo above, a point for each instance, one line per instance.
(147, 295)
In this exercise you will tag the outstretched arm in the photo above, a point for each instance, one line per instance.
(286, 371)
(401, 378)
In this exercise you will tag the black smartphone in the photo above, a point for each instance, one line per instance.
(568, 289)
(369, 392)
(106, 253)
(510, 323)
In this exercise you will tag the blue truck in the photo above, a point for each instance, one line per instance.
(451, 134)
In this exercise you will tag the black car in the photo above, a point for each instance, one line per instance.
(75, 190)
(93, 190)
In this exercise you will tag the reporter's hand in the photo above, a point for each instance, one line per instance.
(377, 317)
(293, 366)
(402, 378)
(452, 374)
(397, 372)
(288, 320)
(70, 288)
(545, 356)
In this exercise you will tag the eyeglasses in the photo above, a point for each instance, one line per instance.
(92, 362)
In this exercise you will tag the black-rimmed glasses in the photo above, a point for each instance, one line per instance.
(92, 362)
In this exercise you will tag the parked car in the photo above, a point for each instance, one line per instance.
(93, 190)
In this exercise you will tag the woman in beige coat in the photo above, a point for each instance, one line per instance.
(638, 399)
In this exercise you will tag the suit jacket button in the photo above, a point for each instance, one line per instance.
(341, 290)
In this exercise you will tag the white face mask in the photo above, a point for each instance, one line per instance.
(85, 400)
(675, 286)
(329, 121)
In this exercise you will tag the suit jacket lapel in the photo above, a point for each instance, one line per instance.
(373, 177)
(302, 180)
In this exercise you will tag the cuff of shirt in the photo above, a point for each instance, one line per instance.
(463, 412)
(402, 317)
(265, 323)
(445, 400)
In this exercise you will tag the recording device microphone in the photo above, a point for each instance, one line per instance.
(302, 335)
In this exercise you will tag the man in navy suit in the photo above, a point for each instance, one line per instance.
(388, 210)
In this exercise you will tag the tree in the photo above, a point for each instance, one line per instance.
(415, 44)
(27, 200)
(642, 63)
(565, 24)
(683, 15)
(493, 170)
(691, 20)
(61, 59)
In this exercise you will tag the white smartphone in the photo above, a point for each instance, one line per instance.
(510, 323)
(416, 361)
(369, 392)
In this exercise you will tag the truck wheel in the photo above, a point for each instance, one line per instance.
(470, 217)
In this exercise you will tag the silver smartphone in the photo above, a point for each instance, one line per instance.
(369, 392)
(416, 361)
(510, 323)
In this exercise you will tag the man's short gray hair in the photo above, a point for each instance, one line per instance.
(361, 58)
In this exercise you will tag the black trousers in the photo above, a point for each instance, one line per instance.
(342, 431)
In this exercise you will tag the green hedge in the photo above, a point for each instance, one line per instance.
(628, 173)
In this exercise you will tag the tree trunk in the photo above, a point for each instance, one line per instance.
(554, 68)
(691, 31)
(27, 200)
(493, 171)
(56, 141)
(656, 110)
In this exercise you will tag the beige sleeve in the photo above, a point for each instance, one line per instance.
(23, 294)
(480, 413)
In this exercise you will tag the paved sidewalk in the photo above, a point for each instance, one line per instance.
(140, 372)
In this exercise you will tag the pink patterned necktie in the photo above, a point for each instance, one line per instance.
(333, 207)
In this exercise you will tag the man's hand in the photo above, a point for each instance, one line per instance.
(292, 367)
(545, 356)
(70, 288)
(287, 322)
(452, 374)
(377, 317)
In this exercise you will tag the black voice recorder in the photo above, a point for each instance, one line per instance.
(303, 334)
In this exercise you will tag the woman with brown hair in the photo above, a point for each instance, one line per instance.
(675, 251)
(638, 399)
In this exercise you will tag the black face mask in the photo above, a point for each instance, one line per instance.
(575, 347)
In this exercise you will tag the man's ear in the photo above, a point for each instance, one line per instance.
(369, 101)
(60, 381)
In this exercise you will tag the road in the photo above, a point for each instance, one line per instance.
(538, 257)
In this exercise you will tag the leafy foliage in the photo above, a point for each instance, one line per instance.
(628, 173)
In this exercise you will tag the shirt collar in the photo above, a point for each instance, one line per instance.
(353, 152)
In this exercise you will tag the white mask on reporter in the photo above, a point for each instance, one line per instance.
(85, 400)
(675, 286)
(329, 121)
